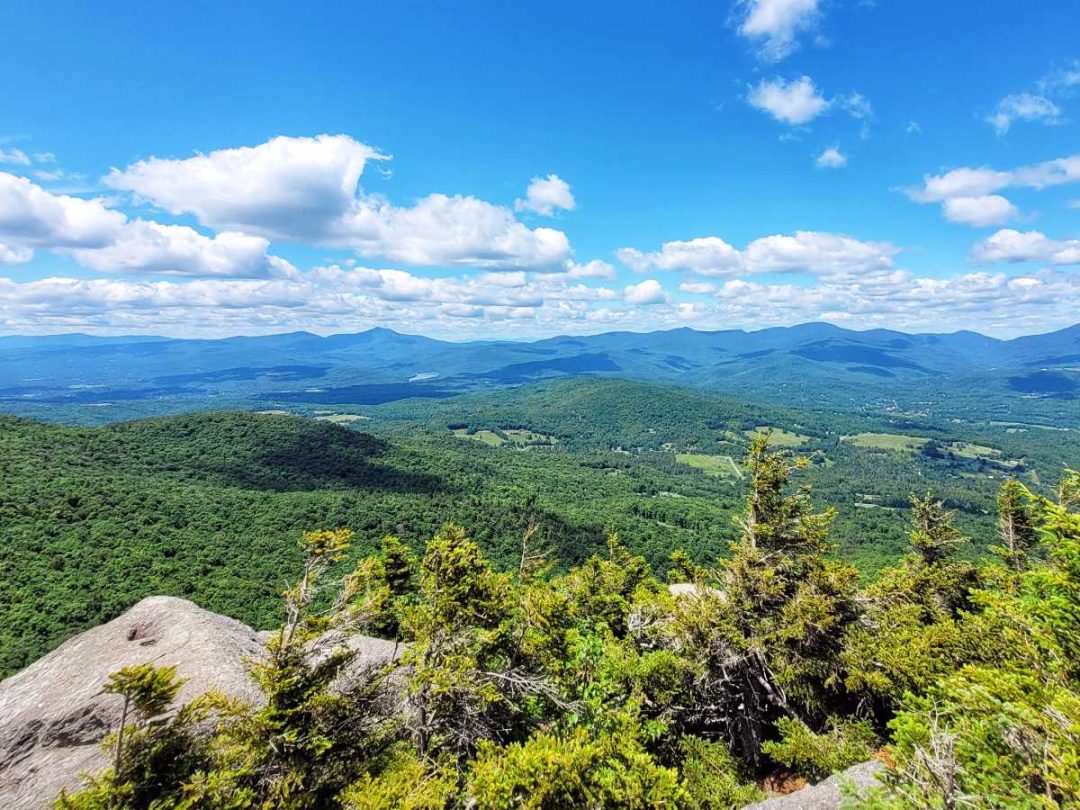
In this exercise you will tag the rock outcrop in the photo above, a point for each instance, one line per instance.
(53, 714)
(825, 795)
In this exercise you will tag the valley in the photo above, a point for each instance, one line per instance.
(206, 506)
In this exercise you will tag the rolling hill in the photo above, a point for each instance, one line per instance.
(86, 379)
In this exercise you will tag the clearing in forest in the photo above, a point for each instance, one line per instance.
(887, 441)
(723, 466)
(526, 438)
(779, 437)
(485, 436)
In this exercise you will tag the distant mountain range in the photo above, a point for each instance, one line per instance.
(813, 364)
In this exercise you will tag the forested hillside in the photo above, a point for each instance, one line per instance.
(208, 506)
(87, 380)
(600, 687)
(865, 465)
(205, 506)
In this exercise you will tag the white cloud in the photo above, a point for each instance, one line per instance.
(645, 293)
(777, 24)
(1023, 107)
(962, 182)
(546, 195)
(857, 105)
(814, 252)
(594, 269)
(1049, 173)
(284, 188)
(798, 102)
(980, 212)
(913, 128)
(15, 255)
(14, 156)
(819, 253)
(307, 189)
(706, 256)
(795, 102)
(31, 217)
(103, 239)
(335, 299)
(1062, 78)
(831, 158)
(698, 287)
(456, 230)
(1031, 246)
(975, 188)
(1041, 106)
(150, 247)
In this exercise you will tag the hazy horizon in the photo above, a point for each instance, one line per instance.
(529, 339)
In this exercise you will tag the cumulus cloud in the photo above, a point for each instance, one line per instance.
(831, 158)
(1030, 246)
(150, 247)
(31, 217)
(645, 293)
(281, 189)
(968, 194)
(819, 253)
(546, 195)
(14, 255)
(962, 182)
(1023, 107)
(442, 230)
(307, 190)
(594, 269)
(706, 256)
(104, 239)
(795, 102)
(332, 299)
(991, 302)
(805, 251)
(777, 24)
(980, 212)
(798, 102)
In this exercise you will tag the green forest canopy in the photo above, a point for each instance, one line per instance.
(600, 687)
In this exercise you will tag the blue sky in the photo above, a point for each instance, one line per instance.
(731, 164)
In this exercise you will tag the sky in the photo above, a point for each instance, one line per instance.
(471, 170)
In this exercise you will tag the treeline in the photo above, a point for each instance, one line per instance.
(602, 687)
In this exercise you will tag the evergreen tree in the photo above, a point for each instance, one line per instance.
(1016, 524)
(154, 753)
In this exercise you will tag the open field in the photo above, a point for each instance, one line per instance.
(341, 418)
(886, 441)
(723, 466)
(968, 450)
(779, 437)
(526, 438)
(485, 436)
